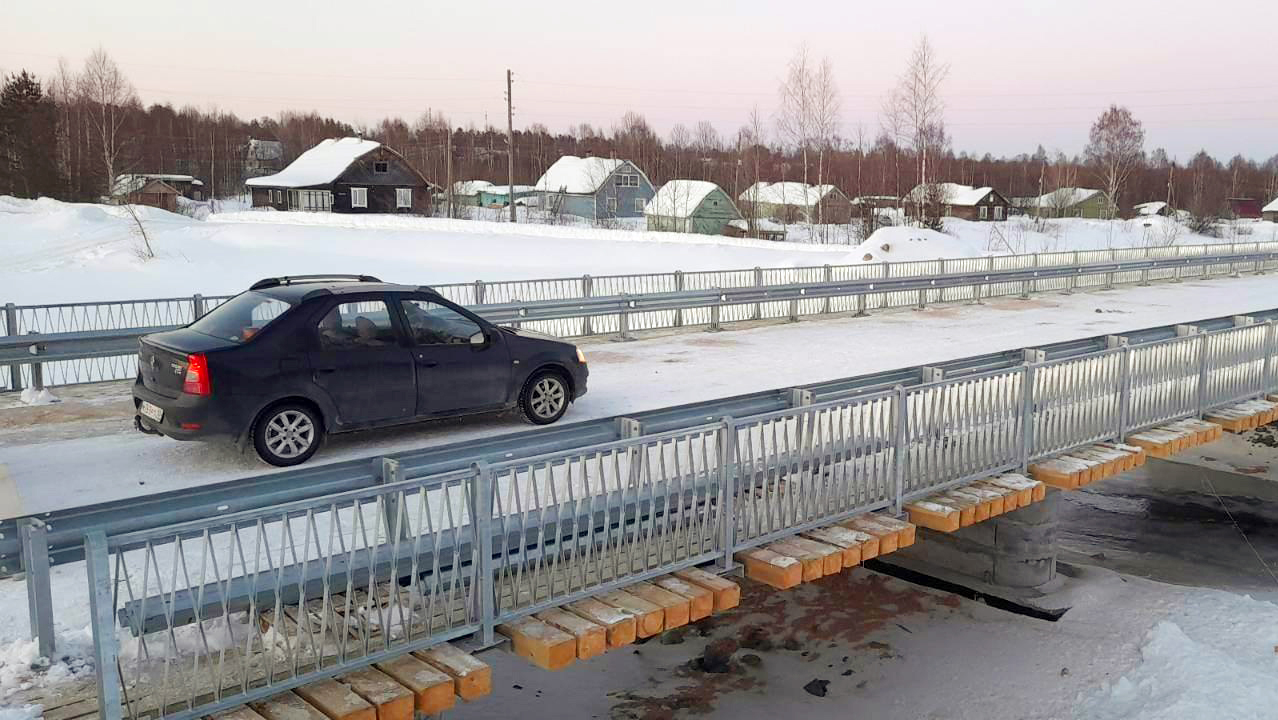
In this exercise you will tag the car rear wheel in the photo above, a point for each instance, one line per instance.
(545, 398)
(287, 434)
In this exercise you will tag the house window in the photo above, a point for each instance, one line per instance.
(998, 212)
(628, 180)
(359, 197)
(279, 196)
(403, 197)
(985, 212)
(381, 167)
(639, 204)
(612, 205)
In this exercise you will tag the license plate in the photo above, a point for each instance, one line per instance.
(154, 412)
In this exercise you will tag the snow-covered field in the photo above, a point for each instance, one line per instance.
(62, 252)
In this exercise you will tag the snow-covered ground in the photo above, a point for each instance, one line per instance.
(62, 252)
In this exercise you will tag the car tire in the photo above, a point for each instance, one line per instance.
(545, 397)
(287, 434)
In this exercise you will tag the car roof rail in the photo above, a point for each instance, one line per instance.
(300, 279)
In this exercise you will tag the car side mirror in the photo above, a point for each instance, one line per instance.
(478, 338)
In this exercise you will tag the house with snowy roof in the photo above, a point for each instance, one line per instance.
(691, 206)
(959, 201)
(1156, 208)
(1270, 211)
(594, 188)
(1074, 202)
(790, 202)
(263, 157)
(345, 175)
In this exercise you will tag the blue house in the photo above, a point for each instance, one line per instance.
(594, 188)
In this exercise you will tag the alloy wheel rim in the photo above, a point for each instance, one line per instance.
(548, 397)
(289, 434)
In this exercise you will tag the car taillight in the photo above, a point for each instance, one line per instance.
(197, 376)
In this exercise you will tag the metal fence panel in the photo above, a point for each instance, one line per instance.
(1235, 364)
(1075, 402)
(1164, 381)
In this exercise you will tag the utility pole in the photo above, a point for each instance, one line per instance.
(448, 163)
(510, 143)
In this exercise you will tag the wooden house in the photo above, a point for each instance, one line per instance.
(790, 202)
(345, 175)
(131, 184)
(959, 201)
(691, 206)
(594, 188)
(1072, 202)
(155, 193)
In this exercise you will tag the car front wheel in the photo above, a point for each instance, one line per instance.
(545, 398)
(287, 434)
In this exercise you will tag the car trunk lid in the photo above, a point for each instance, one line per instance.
(162, 358)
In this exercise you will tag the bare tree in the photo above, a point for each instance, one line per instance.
(680, 138)
(794, 113)
(707, 143)
(1115, 149)
(109, 95)
(894, 135)
(825, 106)
(922, 108)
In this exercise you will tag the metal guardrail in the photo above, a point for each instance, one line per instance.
(378, 571)
(92, 342)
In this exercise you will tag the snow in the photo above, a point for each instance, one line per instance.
(319, 165)
(1271, 207)
(31, 396)
(1150, 208)
(577, 175)
(905, 244)
(1215, 656)
(679, 198)
(1065, 197)
(954, 194)
(471, 187)
(786, 193)
(63, 252)
(125, 184)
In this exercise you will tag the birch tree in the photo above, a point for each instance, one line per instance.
(825, 105)
(794, 112)
(1115, 148)
(109, 95)
(922, 108)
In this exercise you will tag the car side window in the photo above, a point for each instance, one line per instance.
(356, 325)
(433, 324)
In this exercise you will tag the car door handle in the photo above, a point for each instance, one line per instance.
(427, 363)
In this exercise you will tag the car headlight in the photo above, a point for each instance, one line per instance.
(581, 356)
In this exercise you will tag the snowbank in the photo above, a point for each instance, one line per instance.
(63, 252)
(903, 244)
(1216, 656)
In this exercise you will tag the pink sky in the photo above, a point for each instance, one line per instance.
(1022, 73)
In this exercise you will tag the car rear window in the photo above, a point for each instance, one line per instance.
(241, 317)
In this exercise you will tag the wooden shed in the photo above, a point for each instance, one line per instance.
(155, 193)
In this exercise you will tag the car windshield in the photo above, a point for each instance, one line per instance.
(241, 317)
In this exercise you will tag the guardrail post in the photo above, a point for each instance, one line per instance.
(34, 536)
(860, 304)
(678, 283)
(728, 482)
(827, 275)
(900, 451)
(758, 282)
(97, 563)
(11, 329)
(390, 471)
(587, 290)
(1109, 276)
(1124, 383)
(1027, 408)
(37, 367)
(940, 292)
(922, 304)
(481, 292)
(1144, 278)
(1034, 286)
(197, 307)
(714, 318)
(481, 504)
(623, 323)
(1202, 373)
(1267, 371)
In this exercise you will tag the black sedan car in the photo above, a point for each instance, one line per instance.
(296, 358)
